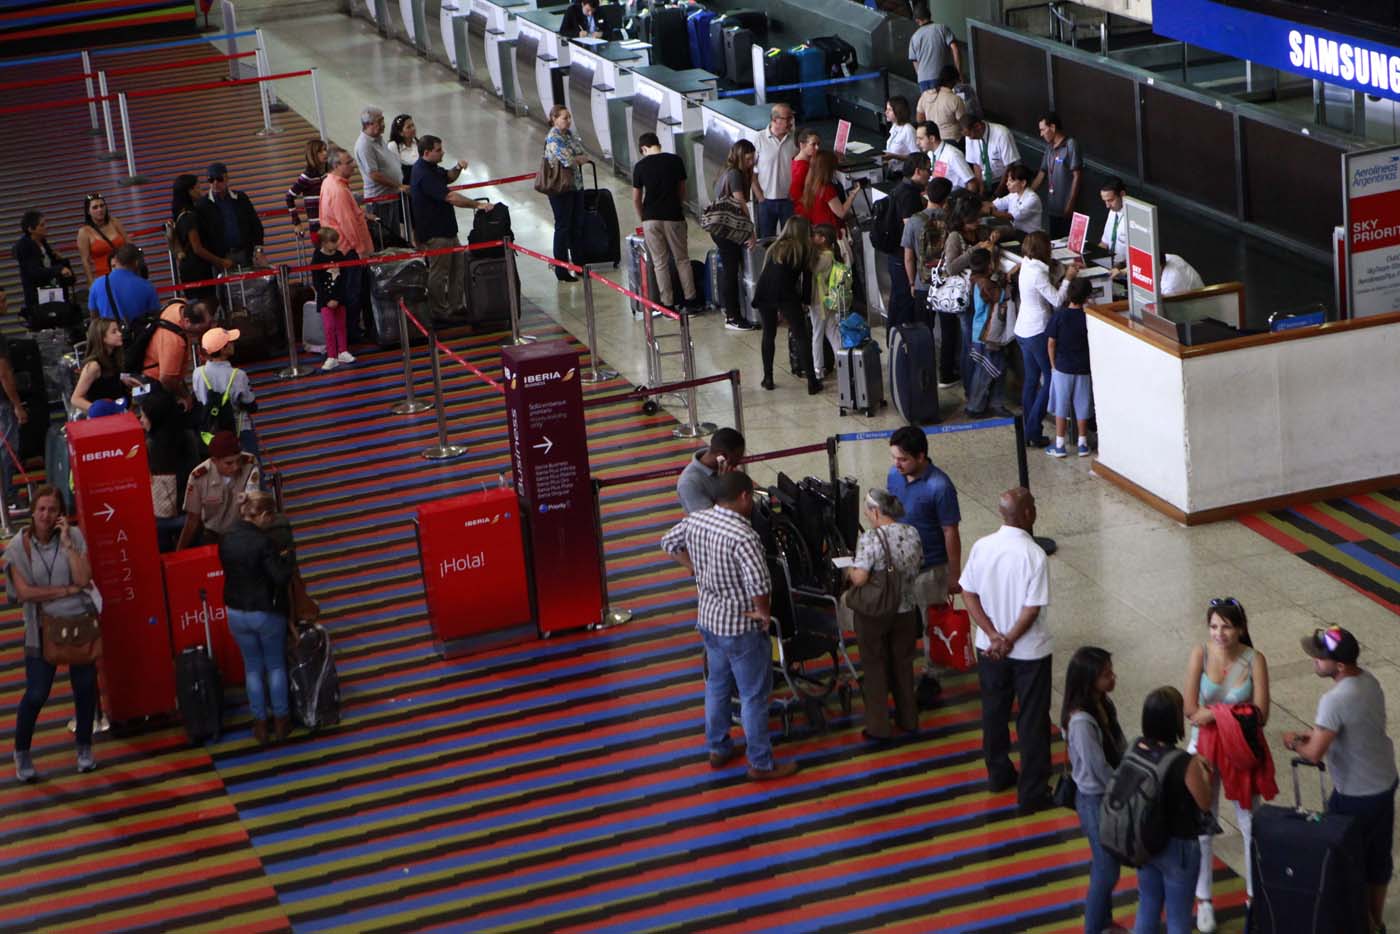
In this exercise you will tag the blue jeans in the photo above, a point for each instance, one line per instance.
(928, 85)
(568, 213)
(1035, 391)
(772, 215)
(1170, 881)
(1103, 869)
(262, 638)
(742, 662)
(38, 682)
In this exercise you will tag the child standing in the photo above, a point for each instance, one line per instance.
(224, 394)
(831, 299)
(330, 298)
(1071, 390)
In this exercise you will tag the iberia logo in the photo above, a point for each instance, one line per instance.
(134, 449)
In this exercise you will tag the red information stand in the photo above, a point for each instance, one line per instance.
(473, 555)
(549, 449)
(113, 487)
(186, 574)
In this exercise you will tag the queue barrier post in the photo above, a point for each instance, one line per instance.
(111, 152)
(7, 527)
(263, 91)
(273, 104)
(609, 615)
(596, 373)
(1023, 476)
(92, 102)
(131, 177)
(442, 450)
(230, 37)
(410, 403)
(693, 428)
(736, 393)
(293, 368)
(513, 291)
(320, 112)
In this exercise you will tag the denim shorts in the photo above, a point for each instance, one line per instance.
(1378, 813)
(1071, 395)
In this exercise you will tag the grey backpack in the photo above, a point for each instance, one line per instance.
(1132, 818)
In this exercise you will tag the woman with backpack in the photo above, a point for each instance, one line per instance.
(1227, 669)
(784, 288)
(1170, 855)
(831, 296)
(1096, 745)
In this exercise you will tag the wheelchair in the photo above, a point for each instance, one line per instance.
(809, 649)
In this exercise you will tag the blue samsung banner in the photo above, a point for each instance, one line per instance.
(1315, 53)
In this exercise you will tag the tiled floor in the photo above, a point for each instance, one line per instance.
(1124, 578)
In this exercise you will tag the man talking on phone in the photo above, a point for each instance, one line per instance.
(725, 453)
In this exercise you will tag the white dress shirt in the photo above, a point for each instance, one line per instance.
(1039, 298)
(1178, 276)
(948, 162)
(1115, 236)
(1027, 213)
(1009, 572)
(1001, 150)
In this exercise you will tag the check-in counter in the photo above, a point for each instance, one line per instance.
(1234, 423)
(667, 102)
(492, 30)
(454, 23)
(723, 123)
(541, 62)
(598, 74)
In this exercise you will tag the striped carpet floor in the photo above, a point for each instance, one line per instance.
(1356, 539)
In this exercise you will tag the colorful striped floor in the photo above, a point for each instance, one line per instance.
(1356, 539)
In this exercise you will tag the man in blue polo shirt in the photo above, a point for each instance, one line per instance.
(122, 294)
(930, 506)
(435, 224)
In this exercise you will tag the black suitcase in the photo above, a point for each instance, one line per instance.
(840, 55)
(670, 37)
(488, 226)
(738, 55)
(197, 689)
(913, 378)
(312, 681)
(1309, 873)
(780, 68)
(405, 280)
(488, 293)
(598, 239)
(28, 363)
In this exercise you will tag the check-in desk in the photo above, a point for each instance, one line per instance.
(598, 74)
(667, 102)
(541, 63)
(454, 23)
(1233, 423)
(492, 30)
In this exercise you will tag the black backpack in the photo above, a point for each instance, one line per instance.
(1133, 822)
(888, 229)
(137, 334)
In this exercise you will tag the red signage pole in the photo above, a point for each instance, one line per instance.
(113, 486)
(472, 550)
(549, 450)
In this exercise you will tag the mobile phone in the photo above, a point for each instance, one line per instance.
(139, 391)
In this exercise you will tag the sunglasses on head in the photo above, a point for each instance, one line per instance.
(1224, 601)
(92, 197)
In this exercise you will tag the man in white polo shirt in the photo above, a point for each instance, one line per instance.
(1006, 588)
(991, 150)
(944, 159)
(777, 147)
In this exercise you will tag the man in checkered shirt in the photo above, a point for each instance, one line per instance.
(725, 554)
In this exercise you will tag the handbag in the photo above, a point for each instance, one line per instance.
(881, 592)
(71, 640)
(726, 219)
(1065, 790)
(1000, 329)
(553, 178)
(950, 638)
(951, 296)
(304, 608)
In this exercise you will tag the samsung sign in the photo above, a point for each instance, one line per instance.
(1315, 53)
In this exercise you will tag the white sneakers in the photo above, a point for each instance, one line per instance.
(330, 364)
(1205, 917)
(345, 357)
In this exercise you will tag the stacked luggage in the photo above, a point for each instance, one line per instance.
(254, 309)
(405, 279)
(488, 291)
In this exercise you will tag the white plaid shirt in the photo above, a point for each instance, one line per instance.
(730, 568)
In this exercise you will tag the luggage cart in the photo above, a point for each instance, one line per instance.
(665, 343)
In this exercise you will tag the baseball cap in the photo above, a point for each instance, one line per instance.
(217, 170)
(1334, 644)
(216, 339)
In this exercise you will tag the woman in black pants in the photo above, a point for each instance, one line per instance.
(785, 287)
(735, 182)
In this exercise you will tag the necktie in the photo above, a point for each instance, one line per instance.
(986, 163)
(1113, 237)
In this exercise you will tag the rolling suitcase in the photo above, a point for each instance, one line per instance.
(697, 27)
(313, 333)
(598, 239)
(390, 282)
(312, 681)
(860, 385)
(1309, 873)
(255, 311)
(198, 692)
(670, 36)
(913, 381)
(753, 265)
(839, 55)
(488, 294)
(811, 66)
(780, 68)
(738, 55)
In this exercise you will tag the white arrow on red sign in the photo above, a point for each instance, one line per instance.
(107, 513)
(546, 445)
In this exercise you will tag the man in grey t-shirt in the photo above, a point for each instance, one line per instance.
(932, 46)
(695, 487)
(1063, 167)
(382, 174)
(1350, 736)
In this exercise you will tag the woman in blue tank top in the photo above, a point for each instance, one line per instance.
(1226, 670)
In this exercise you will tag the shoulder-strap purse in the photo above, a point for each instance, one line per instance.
(880, 594)
(68, 640)
(553, 178)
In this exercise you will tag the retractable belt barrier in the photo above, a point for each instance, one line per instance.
(803, 85)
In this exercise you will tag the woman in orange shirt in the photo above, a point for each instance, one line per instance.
(98, 238)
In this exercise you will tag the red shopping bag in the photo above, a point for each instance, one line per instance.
(950, 638)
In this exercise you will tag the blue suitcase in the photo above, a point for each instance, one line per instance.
(913, 379)
(698, 25)
(811, 66)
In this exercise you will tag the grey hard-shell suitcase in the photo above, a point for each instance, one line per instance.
(858, 378)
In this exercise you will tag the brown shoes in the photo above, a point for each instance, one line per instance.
(260, 732)
(779, 770)
(720, 760)
(283, 727)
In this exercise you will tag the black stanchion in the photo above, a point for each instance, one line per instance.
(1024, 475)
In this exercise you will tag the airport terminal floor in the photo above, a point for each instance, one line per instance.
(562, 784)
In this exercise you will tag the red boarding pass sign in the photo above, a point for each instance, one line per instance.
(1078, 232)
(843, 133)
(1142, 268)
